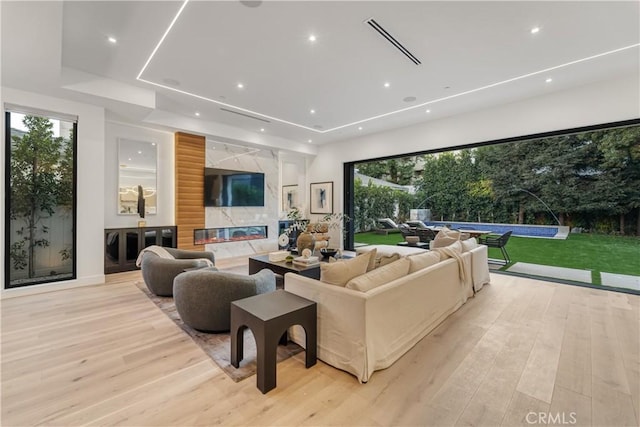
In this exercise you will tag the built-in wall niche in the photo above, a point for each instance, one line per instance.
(292, 183)
(207, 236)
(137, 177)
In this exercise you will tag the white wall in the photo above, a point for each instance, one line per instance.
(599, 103)
(90, 176)
(165, 175)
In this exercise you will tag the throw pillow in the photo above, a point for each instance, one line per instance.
(386, 259)
(468, 244)
(380, 276)
(340, 272)
(372, 258)
(448, 251)
(445, 237)
(423, 260)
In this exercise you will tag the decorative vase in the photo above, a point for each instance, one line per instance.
(306, 240)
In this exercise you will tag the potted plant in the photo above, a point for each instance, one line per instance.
(298, 225)
(336, 221)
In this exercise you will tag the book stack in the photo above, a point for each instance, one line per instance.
(278, 256)
(306, 262)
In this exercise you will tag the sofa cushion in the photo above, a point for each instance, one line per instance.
(380, 276)
(340, 272)
(372, 258)
(423, 260)
(445, 237)
(468, 244)
(449, 251)
(383, 260)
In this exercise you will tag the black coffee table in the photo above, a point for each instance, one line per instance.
(258, 262)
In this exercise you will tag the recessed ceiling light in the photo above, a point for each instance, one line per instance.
(535, 30)
(359, 127)
(129, 158)
(312, 111)
(549, 80)
(428, 111)
(312, 38)
(309, 141)
(261, 129)
(250, 3)
(112, 39)
(139, 152)
(153, 143)
(240, 85)
(387, 84)
(197, 114)
(171, 82)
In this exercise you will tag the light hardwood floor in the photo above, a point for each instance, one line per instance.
(520, 350)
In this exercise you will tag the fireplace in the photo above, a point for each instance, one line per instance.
(206, 236)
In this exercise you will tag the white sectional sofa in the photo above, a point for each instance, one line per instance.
(361, 332)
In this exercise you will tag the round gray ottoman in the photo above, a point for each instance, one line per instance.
(203, 297)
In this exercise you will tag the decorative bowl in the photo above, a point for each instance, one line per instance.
(328, 252)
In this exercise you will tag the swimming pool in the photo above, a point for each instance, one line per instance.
(522, 230)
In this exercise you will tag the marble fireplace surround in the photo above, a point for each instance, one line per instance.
(228, 156)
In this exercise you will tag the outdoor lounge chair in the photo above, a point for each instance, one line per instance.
(497, 242)
(426, 235)
(407, 231)
(387, 224)
(416, 224)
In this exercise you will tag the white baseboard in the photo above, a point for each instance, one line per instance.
(52, 287)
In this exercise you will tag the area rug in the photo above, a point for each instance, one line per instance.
(218, 346)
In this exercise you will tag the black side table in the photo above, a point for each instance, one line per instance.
(269, 316)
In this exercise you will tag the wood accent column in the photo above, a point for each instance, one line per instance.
(190, 160)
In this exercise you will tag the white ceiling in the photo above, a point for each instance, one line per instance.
(474, 55)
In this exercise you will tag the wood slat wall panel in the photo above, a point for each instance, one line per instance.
(189, 163)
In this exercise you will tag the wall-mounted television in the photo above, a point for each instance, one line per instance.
(224, 187)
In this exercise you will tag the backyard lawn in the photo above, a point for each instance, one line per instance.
(595, 252)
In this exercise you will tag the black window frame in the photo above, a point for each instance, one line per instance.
(7, 204)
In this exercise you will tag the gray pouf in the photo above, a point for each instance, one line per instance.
(158, 273)
(203, 297)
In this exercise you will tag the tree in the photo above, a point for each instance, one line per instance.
(372, 202)
(444, 185)
(398, 171)
(35, 187)
(509, 170)
(620, 149)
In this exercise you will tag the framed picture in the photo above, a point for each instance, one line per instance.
(289, 197)
(322, 197)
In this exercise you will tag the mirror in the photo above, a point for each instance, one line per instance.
(137, 162)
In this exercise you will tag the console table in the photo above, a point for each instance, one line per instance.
(122, 245)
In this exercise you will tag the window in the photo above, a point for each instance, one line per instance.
(40, 197)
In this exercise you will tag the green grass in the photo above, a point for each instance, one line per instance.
(595, 252)
(378, 239)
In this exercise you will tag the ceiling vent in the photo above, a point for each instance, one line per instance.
(246, 115)
(384, 33)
